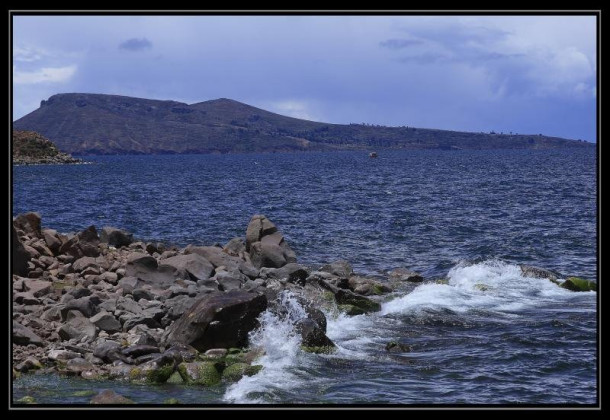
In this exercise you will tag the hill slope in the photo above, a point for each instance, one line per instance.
(30, 148)
(108, 124)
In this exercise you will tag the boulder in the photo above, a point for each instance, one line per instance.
(105, 321)
(236, 371)
(179, 305)
(218, 320)
(340, 268)
(312, 335)
(218, 258)
(19, 256)
(52, 239)
(139, 350)
(539, 273)
(38, 288)
(236, 247)
(367, 286)
(84, 244)
(146, 268)
(258, 227)
(190, 267)
(115, 237)
(108, 351)
(29, 223)
(576, 284)
(110, 397)
(347, 297)
(86, 305)
(199, 373)
(229, 280)
(24, 336)
(403, 274)
(76, 327)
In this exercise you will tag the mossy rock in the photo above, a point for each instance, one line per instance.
(175, 378)
(368, 305)
(159, 375)
(236, 371)
(351, 310)
(84, 393)
(328, 296)
(234, 350)
(231, 359)
(380, 289)
(28, 399)
(441, 281)
(199, 373)
(171, 401)
(319, 349)
(16, 374)
(577, 284)
(135, 374)
(482, 287)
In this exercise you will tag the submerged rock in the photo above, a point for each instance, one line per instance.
(576, 284)
(110, 397)
(236, 371)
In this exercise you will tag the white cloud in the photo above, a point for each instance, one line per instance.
(26, 54)
(291, 108)
(44, 75)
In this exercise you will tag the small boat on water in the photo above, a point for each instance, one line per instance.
(373, 154)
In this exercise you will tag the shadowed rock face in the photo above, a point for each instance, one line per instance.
(218, 320)
(19, 256)
(78, 123)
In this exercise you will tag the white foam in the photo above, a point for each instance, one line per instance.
(490, 285)
(277, 337)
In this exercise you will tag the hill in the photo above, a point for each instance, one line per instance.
(30, 148)
(83, 123)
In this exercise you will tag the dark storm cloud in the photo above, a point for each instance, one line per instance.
(398, 44)
(135, 44)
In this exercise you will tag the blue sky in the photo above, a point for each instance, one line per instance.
(525, 74)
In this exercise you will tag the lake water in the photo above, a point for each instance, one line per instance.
(470, 216)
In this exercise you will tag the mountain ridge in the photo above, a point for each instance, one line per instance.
(87, 123)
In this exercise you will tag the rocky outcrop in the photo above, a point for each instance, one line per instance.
(266, 244)
(116, 237)
(30, 148)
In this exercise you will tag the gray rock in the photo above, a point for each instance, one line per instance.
(143, 319)
(312, 335)
(403, 274)
(229, 280)
(85, 305)
(139, 350)
(76, 327)
(267, 255)
(294, 273)
(258, 227)
(235, 247)
(110, 277)
(218, 320)
(24, 336)
(110, 397)
(29, 223)
(128, 284)
(179, 305)
(83, 263)
(219, 258)
(79, 292)
(25, 298)
(339, 268)
(19, 256)
(108, 351)
(142, 294)
(116, 237)
(191, 266)
(83, 244)
(52, 239)
(106, 322)
(62, 354)
(539, 273)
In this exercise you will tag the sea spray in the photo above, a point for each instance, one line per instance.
(283, 362)
(490, 285)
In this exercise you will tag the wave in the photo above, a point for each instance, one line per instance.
(489, 285)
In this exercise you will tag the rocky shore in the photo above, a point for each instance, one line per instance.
(102, 305)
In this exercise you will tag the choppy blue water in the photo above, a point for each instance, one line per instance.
(471, 215)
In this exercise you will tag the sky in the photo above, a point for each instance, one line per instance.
(520, 74)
